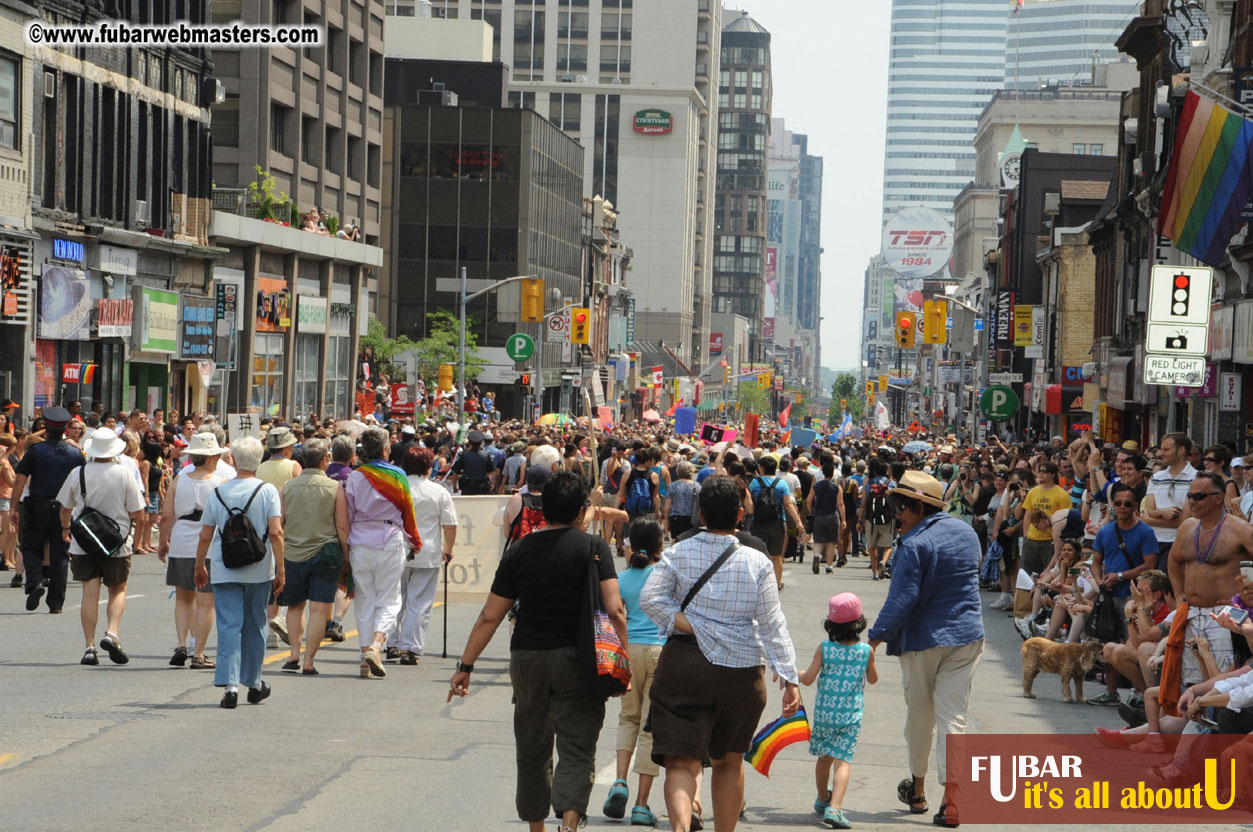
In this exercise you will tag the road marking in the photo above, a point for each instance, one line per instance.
(4, 758)
(608, 774)
(106, 600)
(283, 654)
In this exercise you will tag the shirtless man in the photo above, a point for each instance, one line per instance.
(1204, 568)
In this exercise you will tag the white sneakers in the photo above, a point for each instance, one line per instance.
(1005, 602)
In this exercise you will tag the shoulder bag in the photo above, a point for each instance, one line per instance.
(601, 653)
(97, 533)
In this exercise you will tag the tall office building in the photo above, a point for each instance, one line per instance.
(1056, 42)
(631, 80)
(947, 58)
(745, 282)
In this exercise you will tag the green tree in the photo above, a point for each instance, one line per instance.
(847, 388)
(440, 347)
(753, 398)
(385, 349)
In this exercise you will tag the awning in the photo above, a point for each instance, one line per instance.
(1059, 398)
(1119, 384)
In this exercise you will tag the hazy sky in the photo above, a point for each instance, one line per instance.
(830, 61)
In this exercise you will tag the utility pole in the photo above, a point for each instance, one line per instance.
(461, 347)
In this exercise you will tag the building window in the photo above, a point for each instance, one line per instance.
(565, 110)
(10, 72)
(278, 7)
(522, 100)
(338, 372)
(1078, 149)
(308, 140)
(267, 371)
(356, 159)
(573, 58)
(332, 150)
(308, 368)
(1096, 149)
(605, 148)
(333, 40)
(356, 62)
(278, 128)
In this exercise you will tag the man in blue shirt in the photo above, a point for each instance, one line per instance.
(769, 524)
(932, 621)
(1124, 548)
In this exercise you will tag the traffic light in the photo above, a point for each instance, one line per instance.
(726, 373)
(869, 388)
(1180, 295)
(843, 404)
(580, 324)
(904, 333)
(934, 321)
(445, 377)
(533, 299)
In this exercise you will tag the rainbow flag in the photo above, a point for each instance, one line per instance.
(392, 484)
(1209, 181)
(774, 737)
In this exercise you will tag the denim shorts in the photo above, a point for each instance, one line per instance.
(315, 579)
(6, 504)
(154, 506)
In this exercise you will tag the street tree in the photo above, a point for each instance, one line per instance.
(846, 388)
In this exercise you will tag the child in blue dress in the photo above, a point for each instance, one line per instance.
(842, 665)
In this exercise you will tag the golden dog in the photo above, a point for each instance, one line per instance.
(1070, 661)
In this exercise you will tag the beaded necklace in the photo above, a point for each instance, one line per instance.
(1204, 558)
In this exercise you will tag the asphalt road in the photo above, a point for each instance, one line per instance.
(145, 746)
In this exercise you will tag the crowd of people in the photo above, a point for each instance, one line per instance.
(681, 544)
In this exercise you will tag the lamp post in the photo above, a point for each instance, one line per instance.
(461, 346)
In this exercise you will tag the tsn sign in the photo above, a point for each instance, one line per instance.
(917, 242)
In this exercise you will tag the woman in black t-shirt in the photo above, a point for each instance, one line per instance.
(546, 572)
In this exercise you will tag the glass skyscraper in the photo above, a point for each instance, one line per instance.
(1054, 42)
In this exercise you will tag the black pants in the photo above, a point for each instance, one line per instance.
(41, 526)
(679, 524)
(471, 488)
(1233, 722)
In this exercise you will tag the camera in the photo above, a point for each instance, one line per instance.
(1177, 342)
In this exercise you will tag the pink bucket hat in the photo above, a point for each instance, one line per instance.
(844, 608)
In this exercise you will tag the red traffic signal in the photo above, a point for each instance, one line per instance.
(1179, 295)
(906, 321)
(525, 379)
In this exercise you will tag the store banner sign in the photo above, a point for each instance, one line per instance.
(1023, 321)
(198, 328)
(226, 312)
(311, 315)
(273, 305)
(1221, 324)
(64, 305)
(1242, 334)
(157, 328)
(1229, 387)
(1208, 390)
(114, 260)
(114, 317)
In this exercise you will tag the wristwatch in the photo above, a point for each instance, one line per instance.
(1120, 577)
(464, 668)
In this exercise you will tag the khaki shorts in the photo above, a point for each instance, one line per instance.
(700, 710)
(880, 536)
(110, 571)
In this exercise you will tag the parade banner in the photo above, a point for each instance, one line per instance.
(803, 437)
(751, 424)
(685, 420)
(480, 542)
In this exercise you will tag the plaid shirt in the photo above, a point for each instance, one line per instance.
(736, 616)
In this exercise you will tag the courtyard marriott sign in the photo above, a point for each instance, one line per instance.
(653, 121)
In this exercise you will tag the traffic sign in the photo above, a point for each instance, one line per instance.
(558, 326)
(1179, 295)
(1177, 339)
(998, 403)
(1180, 371)
(520, 346)
(1005, 378)
(978, 324)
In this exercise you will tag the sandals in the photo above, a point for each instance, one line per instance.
(905, 793)
(179, 659)
(616, 802)
(291, 665)
(201, 663)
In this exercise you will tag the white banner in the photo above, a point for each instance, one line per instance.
(243, 424)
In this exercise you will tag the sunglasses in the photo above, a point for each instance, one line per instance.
(1196, 498)
(1124, 504)
(1209, 459)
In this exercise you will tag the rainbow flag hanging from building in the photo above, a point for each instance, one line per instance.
(1209, 181)
(775, 737)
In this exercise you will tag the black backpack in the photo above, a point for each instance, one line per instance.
(97, 533)
(877, 509)
(240, 544)
(766, 509)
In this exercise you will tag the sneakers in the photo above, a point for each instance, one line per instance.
(279, 627)
(615, 803)
(1104, 698)
(816, 559)
(1023, 626)
(229, 699)
(643, 816)
(1116, 739)
(113, 647)
(32, 598)
(335, 631)
(374, 661)
(16, 582)
(835, 819)
(90, 657)
(179, 659)
(1005, 602)
(271, 641)
(830, 571)
(260, 692)
(1151, 744)
(1038, 630)
(1134, 716)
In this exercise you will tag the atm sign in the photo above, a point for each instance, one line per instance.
(653, 122)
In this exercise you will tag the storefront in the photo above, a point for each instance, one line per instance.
(154, 341)
(191, 375)
(339, 356)
(17, 313)
(311, 324)
(273, 319)
(63, 332)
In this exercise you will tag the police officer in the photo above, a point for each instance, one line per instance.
(46, 465)
(473, 469)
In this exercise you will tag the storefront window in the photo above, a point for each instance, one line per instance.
(308, 364)
(267, 373)
(338, 374)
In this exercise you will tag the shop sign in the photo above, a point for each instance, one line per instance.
(653, 122)
(157, 329)
(1207, 390)
(114, 317)
(311, 315)
(14, 283)
(78, 373)
(273, 305)
(1022, 326)
(1116, 395)
(114, 260)
(1229, 386)
(1005, 319)
(401, 401)
(67, 250)
(64, 304)
(715, 343)
(1242, 334)
(198, 326)
(226, 312)
(1221, 323)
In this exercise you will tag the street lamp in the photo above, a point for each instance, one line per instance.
(461, 347)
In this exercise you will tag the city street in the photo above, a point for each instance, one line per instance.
(146, 746)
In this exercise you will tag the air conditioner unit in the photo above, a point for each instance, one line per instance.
(50, 85)
(141, 213)
(1088, 370)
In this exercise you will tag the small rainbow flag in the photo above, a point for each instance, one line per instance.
(774, 737)
(1210, 179)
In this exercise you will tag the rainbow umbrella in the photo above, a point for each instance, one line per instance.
(555, 419)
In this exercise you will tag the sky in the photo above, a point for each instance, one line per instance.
(830, 65)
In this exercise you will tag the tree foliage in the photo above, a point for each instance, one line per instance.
(753, 398)
(440, 347)
(846, 387)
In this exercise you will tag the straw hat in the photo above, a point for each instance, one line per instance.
(925, 488)
(203, 444)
